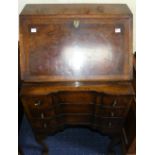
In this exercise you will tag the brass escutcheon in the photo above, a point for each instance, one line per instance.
(76, 23)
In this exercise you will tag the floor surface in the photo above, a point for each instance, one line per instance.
(71, 141)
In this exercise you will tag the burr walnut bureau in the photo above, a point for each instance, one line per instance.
(76, 66)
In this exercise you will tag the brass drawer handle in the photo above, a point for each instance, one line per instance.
(76, 23)
(112, 114)
(114, 103)
(42, 115)
(37, 103)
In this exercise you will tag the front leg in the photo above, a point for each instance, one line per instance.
(40, 139)
(115, 140)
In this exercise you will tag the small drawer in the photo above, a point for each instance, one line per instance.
(110, 112)
(37, 102)
(76, 108)
(35, 113)
(44, 124)
(109, 122)
(77, 119)
(77, 97)
(116, 101)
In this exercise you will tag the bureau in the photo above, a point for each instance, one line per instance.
(76, 66)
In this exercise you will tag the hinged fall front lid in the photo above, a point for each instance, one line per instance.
(75, 43)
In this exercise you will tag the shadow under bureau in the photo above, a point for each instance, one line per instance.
(76, 66)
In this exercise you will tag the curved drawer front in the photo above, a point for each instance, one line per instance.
(121, 101)
(109, 123)
(43, 114)
(110, 112)
(77, 97)
(77, 119)
(44, 125)
(39, 102)
(48, 113)
(75, 49)
(39, 106)
(77, 108)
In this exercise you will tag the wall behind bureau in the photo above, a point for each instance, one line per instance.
(130, 3)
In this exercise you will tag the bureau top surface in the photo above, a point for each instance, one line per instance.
(76, 9)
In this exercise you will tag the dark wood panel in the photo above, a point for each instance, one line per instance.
(77, 119)
(77, 97)
(77, 108)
